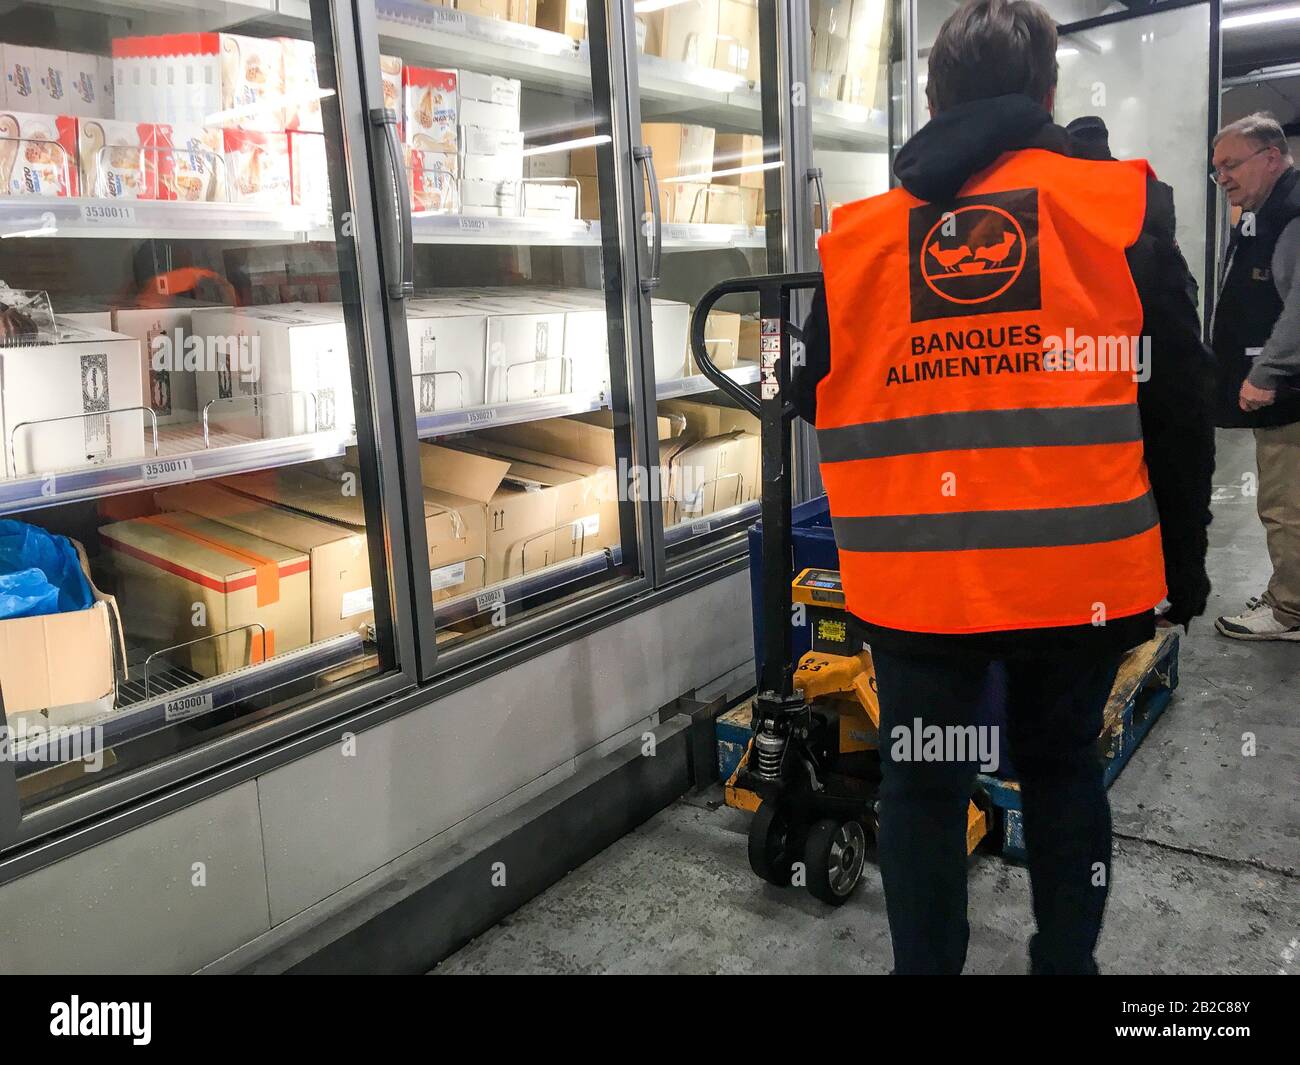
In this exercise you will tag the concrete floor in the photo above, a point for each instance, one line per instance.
(1206, 850)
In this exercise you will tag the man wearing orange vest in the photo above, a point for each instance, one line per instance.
(1013, 410)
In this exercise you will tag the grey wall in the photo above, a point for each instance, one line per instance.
(291, 844)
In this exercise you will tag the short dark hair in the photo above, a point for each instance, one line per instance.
(992, 48)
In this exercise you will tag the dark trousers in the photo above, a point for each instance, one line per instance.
(1054, 716)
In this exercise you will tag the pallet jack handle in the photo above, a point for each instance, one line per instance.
(776, 677)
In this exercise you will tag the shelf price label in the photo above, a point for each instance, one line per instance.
(184, 706)
(701, 527)
(487, 600)
(161, 471)
(110, 213)
(473, 225)
(487, 414)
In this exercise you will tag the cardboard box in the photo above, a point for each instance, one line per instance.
(670, 323)
(478, 140)
(42, 682)
(547, 200)
(390, 73)
(52, 73)
(22, 83)
(252, 83)
(258, 168)
(191, 163)
(499, 166)
(703, 420)
(42, 157)
(181, 577)
(685, 202)
(753, 210)
(595, 521)
(563, 16)
(489, 198)
(525, 350)
(736, 47)
(119, 160)
(588, 197)
(86, 319)
(288, 363)
(169, 383)
(88, 372)
(520, 503)
(723, 205)
(722, 339)
(84, 87)
(431, 108)
(435, 181)
(749, 334)
(689, 32)
(678, 149)
(488, 115)
(734, 151)
(522, 11)
(340, 593)
(489, 88)
(309, 176)
(302, 98)
(454, 526)
(587, 438)
(448, 348)
(712, 474)
(549, 165)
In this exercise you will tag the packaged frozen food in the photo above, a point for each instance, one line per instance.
(435, 187)
(301, 88)
(38, 154)
(430, 103)
(257, 167)
(191, 163)
(119, 160)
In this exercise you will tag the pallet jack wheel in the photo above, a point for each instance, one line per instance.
(773, 846)
(833, 857)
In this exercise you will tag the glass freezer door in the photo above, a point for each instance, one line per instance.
(197, 551)
(710, 181)
(515, 398)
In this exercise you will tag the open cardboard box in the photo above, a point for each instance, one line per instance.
(59, 669)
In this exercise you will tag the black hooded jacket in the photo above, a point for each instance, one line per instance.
(1176, 402)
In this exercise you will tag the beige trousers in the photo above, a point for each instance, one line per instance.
(1277, 450)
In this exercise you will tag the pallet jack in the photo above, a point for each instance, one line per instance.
(811, 772)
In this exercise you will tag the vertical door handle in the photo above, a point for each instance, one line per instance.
(395, 226)
(814, 175)
(645, 156)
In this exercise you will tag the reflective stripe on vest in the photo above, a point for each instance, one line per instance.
(984, 471)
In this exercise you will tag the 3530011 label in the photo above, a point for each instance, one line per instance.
(184, 706)
(163, 470)
(107, 213)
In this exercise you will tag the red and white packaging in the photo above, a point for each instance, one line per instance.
(252, 83)
(435, 185)
(213, 79)
(257, 167)
(38, 154)
(173, 77)
(119, 160)
(301, 87)
(431, 111)
(390, 70)
(309, 170)
(192, 163)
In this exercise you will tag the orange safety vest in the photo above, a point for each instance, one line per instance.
(979, 431)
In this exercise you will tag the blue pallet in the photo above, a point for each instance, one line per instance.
(1139, 714)
(813, 546)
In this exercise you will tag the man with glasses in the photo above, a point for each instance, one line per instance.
(1256, 340)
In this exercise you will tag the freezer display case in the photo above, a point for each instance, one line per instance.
(508, 325)
(194, 543)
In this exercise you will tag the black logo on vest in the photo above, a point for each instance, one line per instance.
(975, 255)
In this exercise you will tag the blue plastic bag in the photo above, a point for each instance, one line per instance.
(40, 573)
